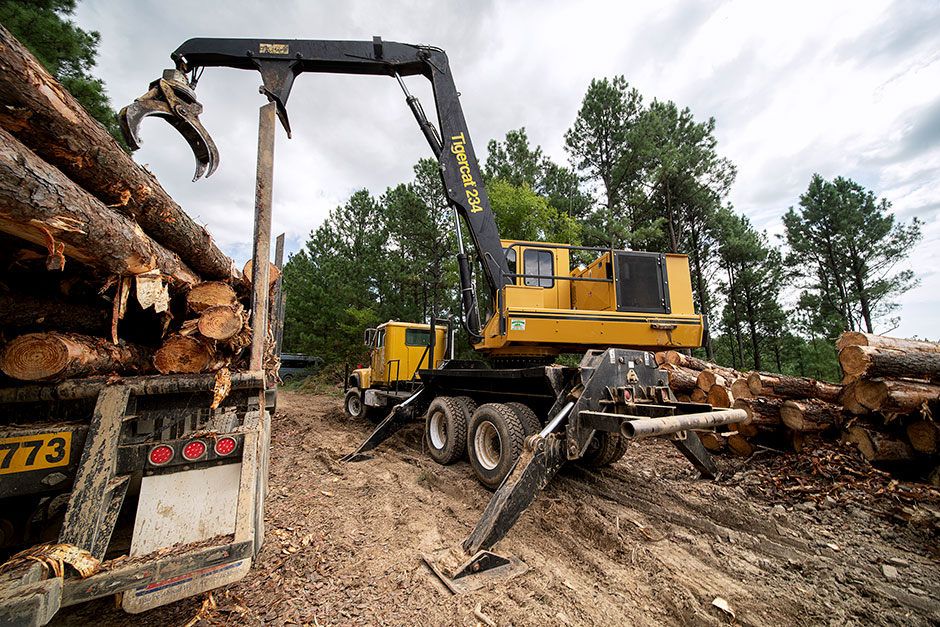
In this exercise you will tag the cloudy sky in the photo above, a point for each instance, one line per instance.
(839, 88)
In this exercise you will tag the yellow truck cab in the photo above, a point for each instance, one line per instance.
(396, 351)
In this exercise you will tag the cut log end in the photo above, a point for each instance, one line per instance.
(183, 355)
(210, 294)
(35, 357)
(220, 322)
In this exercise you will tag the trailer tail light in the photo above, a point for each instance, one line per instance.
(194, 450)
(160, 455)
(224, 446)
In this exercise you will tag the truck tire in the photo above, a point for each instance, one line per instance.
(353, 405)
(494, 442)
(529, 420)
(445, 430)
(604, 450)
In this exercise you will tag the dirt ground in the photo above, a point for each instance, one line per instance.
(644, 542)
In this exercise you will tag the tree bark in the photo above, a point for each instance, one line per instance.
(763, 412)
(870, 362)
(25, 312)
(42, 206)
(42, 115)
(56, 356)
(680, 379)
(855, 338)
(785, 386)
(876, 446)
(809, 416)
(898, 397)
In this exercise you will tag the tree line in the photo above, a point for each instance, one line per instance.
(640, 176)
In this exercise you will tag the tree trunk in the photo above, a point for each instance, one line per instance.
(42, 115)
(55, 356)
(763, 412)
(809, 416)
(784, 386)
(24, 312)
(210, 294)
(898, 397)
(876, 446)
(42, 206)
(849, 402)
(707, 379)
(868, 361)
(687, 361)
(923, 435)
(186, 355)
(854, 338)
(680, 379)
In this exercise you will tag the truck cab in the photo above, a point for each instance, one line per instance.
(396, 351)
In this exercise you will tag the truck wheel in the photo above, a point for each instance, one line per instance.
(494, 442)
(604, 450)
(445, 430)
(353, 405)
(528, 418)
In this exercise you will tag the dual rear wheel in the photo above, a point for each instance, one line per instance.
(491, 435)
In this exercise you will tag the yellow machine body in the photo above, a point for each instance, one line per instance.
(622, 299)
(397, 350)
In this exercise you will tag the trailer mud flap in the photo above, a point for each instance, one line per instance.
(181, 586)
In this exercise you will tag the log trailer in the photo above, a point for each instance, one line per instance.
(520, 421)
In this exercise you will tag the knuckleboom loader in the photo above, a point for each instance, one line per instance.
(521, 419)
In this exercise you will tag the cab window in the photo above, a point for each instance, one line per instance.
(417, 337)
(539, 263)
(380, 339)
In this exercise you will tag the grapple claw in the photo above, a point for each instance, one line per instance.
(172, 99)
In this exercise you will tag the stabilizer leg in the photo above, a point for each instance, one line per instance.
(693, 449)
(398, 418)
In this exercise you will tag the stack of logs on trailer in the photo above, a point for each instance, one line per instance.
(102, 272)
(884, 405)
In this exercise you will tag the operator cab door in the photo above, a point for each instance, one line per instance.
(539, 267)
(378, 357)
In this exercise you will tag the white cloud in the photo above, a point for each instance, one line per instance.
(840, 88)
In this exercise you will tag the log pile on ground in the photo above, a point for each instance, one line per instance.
(102, 271)
(884, 406)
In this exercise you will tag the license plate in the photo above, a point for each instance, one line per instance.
(34, 452)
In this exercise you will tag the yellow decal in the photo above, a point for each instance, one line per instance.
(34, 452)
(273, 48)
(459, 148)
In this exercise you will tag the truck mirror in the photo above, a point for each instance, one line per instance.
(367, 338)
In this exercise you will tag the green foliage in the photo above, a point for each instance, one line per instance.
(67, 51)
(844, 245)
(522, 214)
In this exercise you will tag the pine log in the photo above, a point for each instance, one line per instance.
(712, 441)
(56, 356)
(210, 294)
(42, 206)
(186, 355)
(680, 379)
(761, 412)
(687, 361)
(802, 441)
(740, 389)
(42, 115)
(876, 446)
(855, 338)
(870, 362)
(720, 396)
(683, 398)
(698, 395)
(273, 275)
(709, 378)
(809, 415)
(739, 445)
(24, 312)
(786, 386)
(849, 402)
(894, 396)
(221, 322)
(746, 429)
(660, 357)
(923, 436)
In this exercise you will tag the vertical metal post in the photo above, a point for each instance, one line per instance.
(261, 256)
(277, 307)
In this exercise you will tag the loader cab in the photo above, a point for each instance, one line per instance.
(540, 274)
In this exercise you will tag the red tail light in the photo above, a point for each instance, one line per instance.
(160, 455)
(194, 450)
(224, 446)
